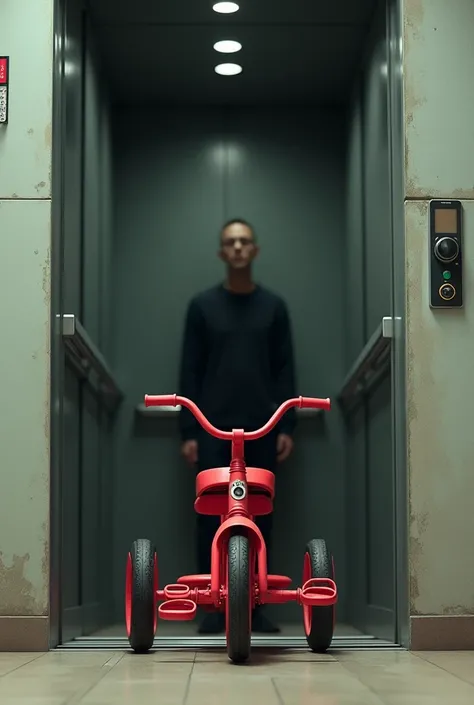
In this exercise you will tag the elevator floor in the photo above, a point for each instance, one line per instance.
(173, 635)
(188, 629)
(207, 678)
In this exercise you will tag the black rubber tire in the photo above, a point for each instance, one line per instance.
(143, 603)
(322, 619)
(239, 625)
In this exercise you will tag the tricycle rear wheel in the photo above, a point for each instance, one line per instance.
(318, 621)
(238, 602)
(141, 585)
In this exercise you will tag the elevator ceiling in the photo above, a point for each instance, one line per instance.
(298, 52)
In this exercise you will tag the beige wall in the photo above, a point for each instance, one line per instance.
(439, 120)
(25, 225)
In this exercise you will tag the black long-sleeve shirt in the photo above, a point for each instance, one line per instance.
(237, 359)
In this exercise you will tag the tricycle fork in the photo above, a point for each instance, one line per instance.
(231, 526)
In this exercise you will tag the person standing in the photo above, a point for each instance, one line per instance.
(237, 364)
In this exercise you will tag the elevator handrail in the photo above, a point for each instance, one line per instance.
(372, 364)
(89, 362)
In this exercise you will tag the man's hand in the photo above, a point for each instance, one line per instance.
(284, 447)
(189, 451)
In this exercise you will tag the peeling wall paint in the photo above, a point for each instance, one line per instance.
(439, 100)
(25, 236)
(440, 415)
(24, 432)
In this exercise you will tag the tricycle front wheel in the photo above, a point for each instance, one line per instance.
(238, 602)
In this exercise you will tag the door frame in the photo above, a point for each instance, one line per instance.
(394, 20)
(57, 350)
(396, 132)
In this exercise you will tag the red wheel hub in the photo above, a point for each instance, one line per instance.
(307, 611)
(128, 595)
(334, 606)
(155, 592)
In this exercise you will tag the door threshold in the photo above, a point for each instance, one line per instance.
(195, 643)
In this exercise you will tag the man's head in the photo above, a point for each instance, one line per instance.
(238, 247)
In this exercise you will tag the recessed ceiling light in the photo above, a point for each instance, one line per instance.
(227, 46)
(228, 69)
(225, 8)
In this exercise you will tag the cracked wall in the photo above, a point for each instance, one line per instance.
(439, 110)
(25, 228)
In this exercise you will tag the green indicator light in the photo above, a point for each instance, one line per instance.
(447, 275)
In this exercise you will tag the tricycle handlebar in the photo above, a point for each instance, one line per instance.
(300, 402)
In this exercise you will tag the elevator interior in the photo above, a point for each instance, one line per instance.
(154, 151)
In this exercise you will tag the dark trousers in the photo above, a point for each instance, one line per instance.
(214, 453)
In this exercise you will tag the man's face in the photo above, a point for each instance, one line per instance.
(238, 248)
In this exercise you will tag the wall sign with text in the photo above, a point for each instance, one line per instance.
(4, 76)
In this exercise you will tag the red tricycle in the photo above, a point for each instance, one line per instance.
(239, 580)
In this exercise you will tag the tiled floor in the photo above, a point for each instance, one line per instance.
(207, 678)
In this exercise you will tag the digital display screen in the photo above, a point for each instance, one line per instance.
(446, 221)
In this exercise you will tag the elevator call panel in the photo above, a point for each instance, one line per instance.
(446, 285)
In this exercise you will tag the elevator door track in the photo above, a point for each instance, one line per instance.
(196, 643)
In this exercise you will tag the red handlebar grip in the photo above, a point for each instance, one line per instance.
(313, 403)
(160, 400)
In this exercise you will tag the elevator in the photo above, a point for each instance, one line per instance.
(153, 151)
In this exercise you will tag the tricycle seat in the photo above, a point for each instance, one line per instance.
(212, 487)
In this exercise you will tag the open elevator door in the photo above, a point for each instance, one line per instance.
(372, 397)
(85, 395)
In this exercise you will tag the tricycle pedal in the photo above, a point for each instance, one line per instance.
(178, 610)
(176, 590)
(318, 592)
